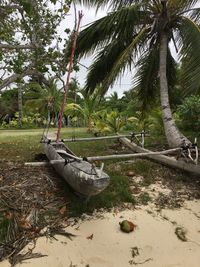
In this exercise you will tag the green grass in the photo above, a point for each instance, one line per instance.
(23, 145)
(19, 148)
(115, 194)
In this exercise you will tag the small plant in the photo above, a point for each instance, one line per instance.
(144, 198)
(115, 122)
(144, 168)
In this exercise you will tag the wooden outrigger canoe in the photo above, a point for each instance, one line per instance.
(84, 177)
(88, 180)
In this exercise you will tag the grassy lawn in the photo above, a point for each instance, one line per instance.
(23, 145)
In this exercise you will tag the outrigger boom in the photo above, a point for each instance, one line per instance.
(121, 156)
(104, 137)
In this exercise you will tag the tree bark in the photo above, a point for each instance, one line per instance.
(15, 77)
(17, 47)
(174, 137)
(20, 104)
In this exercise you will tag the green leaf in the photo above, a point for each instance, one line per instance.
(146, 79)
(189, 43)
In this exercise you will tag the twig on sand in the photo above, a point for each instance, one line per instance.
(132, 262)
(19, 258)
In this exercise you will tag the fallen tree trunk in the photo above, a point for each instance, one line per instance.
(167, 161)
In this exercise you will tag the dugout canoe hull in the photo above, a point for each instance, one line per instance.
(82, 176)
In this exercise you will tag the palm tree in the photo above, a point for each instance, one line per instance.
(46, 101)
(138, 33)
(87, 109)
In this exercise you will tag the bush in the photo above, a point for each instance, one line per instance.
(189, 113)
(28, 121)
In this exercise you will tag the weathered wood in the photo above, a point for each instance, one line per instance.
(121, 156)
(68, 154)
(82, 176)
(94, 138)
(36, 164)
(102, 137)
(167, 161)
(139, 155)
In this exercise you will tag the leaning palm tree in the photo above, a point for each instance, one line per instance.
(139, 33)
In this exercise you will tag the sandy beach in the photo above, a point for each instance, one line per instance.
(99, 241)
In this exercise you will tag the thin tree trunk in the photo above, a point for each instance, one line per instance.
(173, 135)
(20, 105)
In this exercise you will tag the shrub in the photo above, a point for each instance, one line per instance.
(28, 121)
(189, 113)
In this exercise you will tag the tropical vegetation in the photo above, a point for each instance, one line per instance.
(140, 34)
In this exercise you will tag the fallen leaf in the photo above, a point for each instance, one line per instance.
(181, 234)
(1, 178)
(25, 225)
(36, 230)
(90, 236)
(63, 210)
(8, 215)
(130, 173)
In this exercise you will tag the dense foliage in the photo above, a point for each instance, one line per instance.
(189, 113)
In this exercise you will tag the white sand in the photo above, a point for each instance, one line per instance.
(154, 236)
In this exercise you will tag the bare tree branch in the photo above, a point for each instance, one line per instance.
(28, 72)
(26, 46)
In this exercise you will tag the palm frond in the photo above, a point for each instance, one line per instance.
(120, 24)
(110, 4)
(125, 59)
(189, 42)
(104, 62)
(195, 15)
(146, 79)
(177, 6)
(108, 61)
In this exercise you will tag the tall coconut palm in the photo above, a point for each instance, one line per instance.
(138, 33)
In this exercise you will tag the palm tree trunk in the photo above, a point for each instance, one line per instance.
(173, 135)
